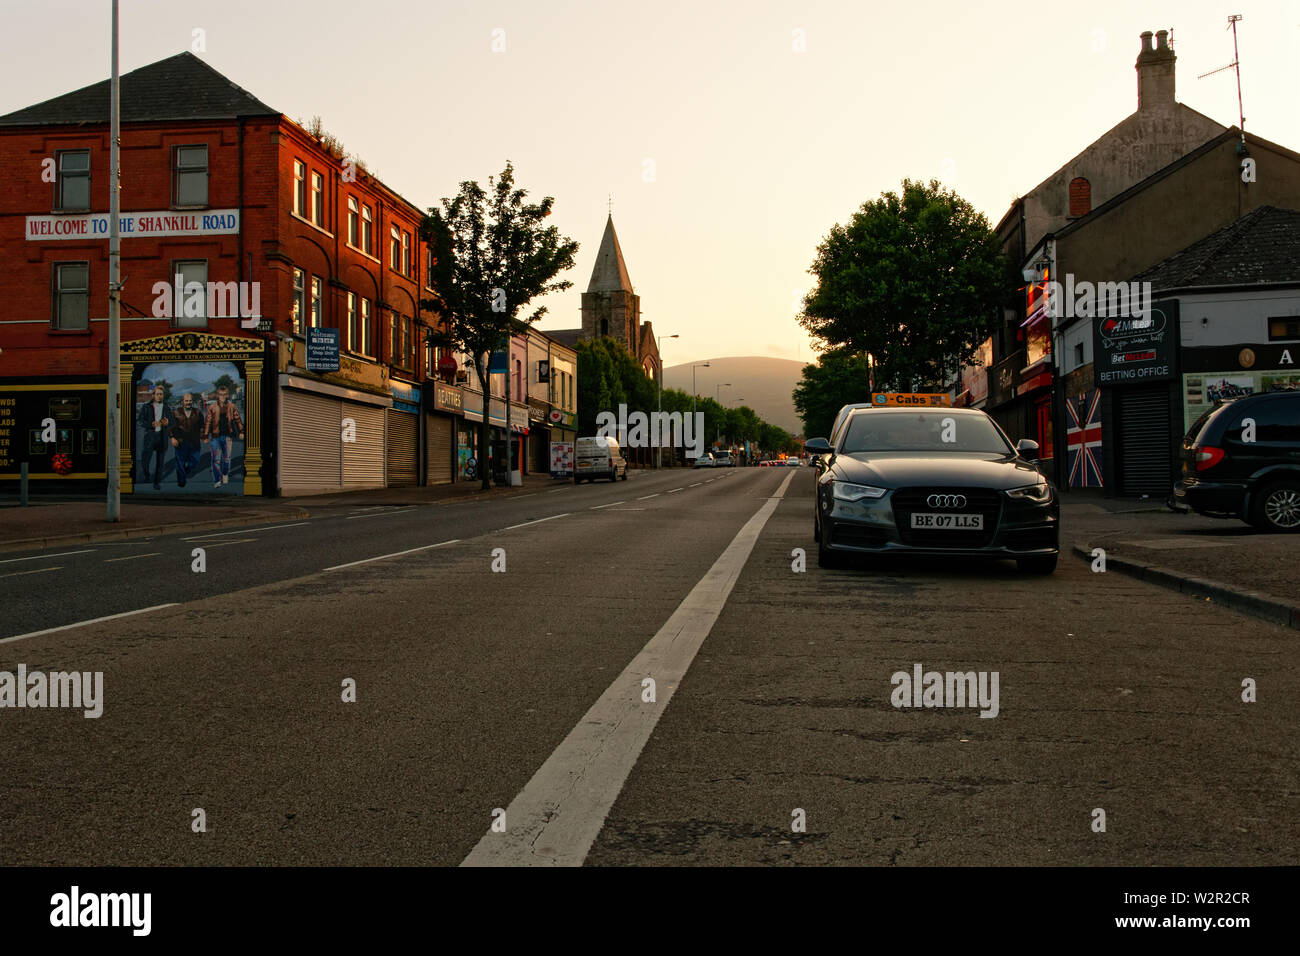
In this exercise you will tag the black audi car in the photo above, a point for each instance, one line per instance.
(933, 481)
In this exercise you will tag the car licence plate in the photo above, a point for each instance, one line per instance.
(946, 522)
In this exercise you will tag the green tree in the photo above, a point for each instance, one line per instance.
(838, 379)
(491, 257)
(914, 280)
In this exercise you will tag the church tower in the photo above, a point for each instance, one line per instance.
(609, 306)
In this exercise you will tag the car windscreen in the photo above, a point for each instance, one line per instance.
(872, 431)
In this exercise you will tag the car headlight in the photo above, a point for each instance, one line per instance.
(846, 491)
(1038, 493)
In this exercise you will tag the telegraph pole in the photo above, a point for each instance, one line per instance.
(114, 394)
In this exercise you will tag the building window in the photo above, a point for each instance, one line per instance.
(1080, 197)
(519, 381)
(192, 277)
(367, 330)
(299, 300)
(406, 254)
(72, 295)
(191, 176)
(428, 269)
(1078, 353)
(316, 303)
(73, 185)
(367, 231)
(401, 353)
(395, 248)
(354, 333)
(1283, 328)
(318, 199)
(299, 187)
(354, 216)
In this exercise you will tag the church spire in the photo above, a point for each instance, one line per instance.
(610, 271)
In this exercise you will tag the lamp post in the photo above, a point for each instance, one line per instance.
(114, 393)
(717, 397)
(659, 380)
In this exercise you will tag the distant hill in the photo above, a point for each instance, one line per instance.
(765, 385)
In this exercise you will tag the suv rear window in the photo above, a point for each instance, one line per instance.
(1199, 425)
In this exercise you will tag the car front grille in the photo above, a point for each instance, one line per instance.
(978, 501)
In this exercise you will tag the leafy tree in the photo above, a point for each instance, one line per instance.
(913, 280)
(491, 258)
(838, 379)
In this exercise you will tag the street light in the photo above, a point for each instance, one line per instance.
(659, 347)
(693, 396)
(717, 397)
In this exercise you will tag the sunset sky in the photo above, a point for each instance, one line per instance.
(728, 153)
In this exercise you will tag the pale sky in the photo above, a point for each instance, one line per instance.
(729, 155)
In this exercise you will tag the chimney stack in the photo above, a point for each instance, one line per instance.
(1155, 70)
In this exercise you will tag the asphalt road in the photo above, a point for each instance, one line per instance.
(477, 689)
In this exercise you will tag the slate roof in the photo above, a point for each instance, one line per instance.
(569, 337)
(181, 87)
(1262, 246)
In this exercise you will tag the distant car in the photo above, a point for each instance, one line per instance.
(792, 462)
(933, 481)
(1241, 459)
(598, 458)
(723, 460)
(704, 461)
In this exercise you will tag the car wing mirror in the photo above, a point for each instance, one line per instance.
(819, 446)
(1027, 449)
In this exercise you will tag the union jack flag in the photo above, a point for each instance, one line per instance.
(1083, 439)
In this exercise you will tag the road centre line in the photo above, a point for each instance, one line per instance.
(696, 485)
(222, 544)
(673, 492)
(610, 505)
(395, 554)
(15, 574)
(648, 497)
(41, 557)
(538, 521)
(248, 530)
(132, 557)
(556, 818)
(399, 511)
(95, 620)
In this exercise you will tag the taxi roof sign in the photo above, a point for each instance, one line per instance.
(910, 399)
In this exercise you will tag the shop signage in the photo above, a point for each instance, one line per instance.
(406, 397)
(150, 225)
(447, 398)
(1134, 350)
(322, 350)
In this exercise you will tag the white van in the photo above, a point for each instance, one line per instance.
(598, 458)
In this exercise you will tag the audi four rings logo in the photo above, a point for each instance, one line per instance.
(946, 501)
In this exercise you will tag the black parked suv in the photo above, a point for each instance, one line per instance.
(1241, 459)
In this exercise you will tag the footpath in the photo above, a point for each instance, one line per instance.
(1224, 561)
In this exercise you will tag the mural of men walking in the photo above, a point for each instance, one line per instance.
(186, 436)
(153, 418)
(221, 424)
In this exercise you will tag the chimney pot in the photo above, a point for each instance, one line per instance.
(1162, 39)
(1146, 40)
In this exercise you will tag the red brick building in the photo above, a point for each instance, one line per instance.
(241, 232)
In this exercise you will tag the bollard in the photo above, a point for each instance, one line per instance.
(22, 484)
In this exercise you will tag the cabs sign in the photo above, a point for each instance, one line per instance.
(911, 399)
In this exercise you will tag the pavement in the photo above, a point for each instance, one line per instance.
(1218, 560)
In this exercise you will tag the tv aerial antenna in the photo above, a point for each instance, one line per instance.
(1236, 66)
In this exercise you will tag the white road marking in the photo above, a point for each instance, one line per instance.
(538, 521)
(529, 495)
(554, 490)
(94, 620)
(249, 530)
(40, 557)
(648, 497)
(696, 485)
(357, 511)
(558, 815)
(395, 554)
(222, 544)
(132, 557)
(15, 574)
(610, 505)
(399, 511)
(673, 492)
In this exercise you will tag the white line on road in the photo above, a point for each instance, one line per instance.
(558, 815)
(94, 620)
(399, 511)
(222, 544)
(648, 497)
(529, 495)
(41, 557)
(248, 530)
(15, 574)
(132, 557)
(610, 505)
(538, 521)
(673, 492)
(395, 554)
(696, 485)
(554, 490)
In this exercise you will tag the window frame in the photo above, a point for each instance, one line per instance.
(318, 199)
(298, 301)
(406, 253)
(367, 329)
(316, 303)
(57, 292)
(395, 241)
(354, 222)
(367, 230)
(61, 177)
(178, 171)
(180, 321)
(299, 188)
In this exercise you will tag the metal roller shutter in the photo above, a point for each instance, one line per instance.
(1144, 465)
(403, 441)
(309, 442)
(438, 457)
(363, 460)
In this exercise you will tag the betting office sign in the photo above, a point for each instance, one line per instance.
(1138, 348)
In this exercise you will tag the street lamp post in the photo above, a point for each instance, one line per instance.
(717, 393)
(693, 395)
(114, 394)
(659, 347)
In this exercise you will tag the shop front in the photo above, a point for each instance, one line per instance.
(442, 423)
(58, 428)
(403, 435)
(1217, 372)
(469, 454)
(519, 429)
(539, 437)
